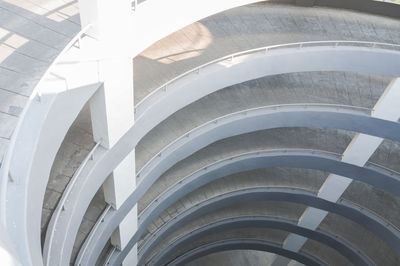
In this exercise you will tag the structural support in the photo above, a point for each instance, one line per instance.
(358, 152)
(230, 199)
(246, 121)
(112, 106)
(247, 162)
(179, 96)
(258, 222)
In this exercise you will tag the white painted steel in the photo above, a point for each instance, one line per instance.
(40, 131)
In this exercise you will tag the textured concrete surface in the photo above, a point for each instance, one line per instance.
(270, 208)
(235, 30)
(388, 155)
(262, 177)
(272, 235)
(250, 27)
(32, 34)
(374, 199)
(75, 147)
(239, 258)
(324, 253)
(280, 209)
(235, 258)
(317, 87)
(371, 245)
(319, 139)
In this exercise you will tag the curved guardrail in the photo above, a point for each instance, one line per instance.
(154, 100)
(229, 117)
(246, 243)
(197, 131)
(334, 241)
(155, 95)
(61, 205)
(369, 211)
(6, 175)
(163, 197)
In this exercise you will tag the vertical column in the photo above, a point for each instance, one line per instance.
(111, 108)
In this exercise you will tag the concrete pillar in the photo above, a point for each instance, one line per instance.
(112, 108)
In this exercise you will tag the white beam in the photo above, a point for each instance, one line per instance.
(361, 148)
(112, 107)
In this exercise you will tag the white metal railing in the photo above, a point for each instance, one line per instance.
(75, 42)
(6, 175)
(149, 99)
(196, 131)
(61, 205)
(216, 164)
(383, 168)
(92, 233)
(152, 97)
(147, 102)
(384, 221)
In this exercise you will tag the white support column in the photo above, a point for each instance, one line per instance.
(112, 108)
(361, 148)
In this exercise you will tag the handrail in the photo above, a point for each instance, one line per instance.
(92, 231)
(147, 101)
(371, 212)
(110, 256)
(5, 174)
(216, 197)
(341, 200)
(162, 196)
(382, 168)
(158, 156)
(76, 39)
(61, 205)
(227, 117)
(236, 218)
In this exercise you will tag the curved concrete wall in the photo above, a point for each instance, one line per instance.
(35, 188)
